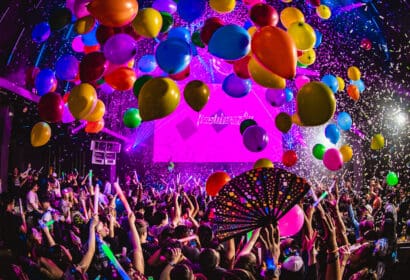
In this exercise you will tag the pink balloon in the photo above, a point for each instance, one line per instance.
(300, 81)
(333, 159)
(67, 116)
(80, 8)
(77, 44)
(253, 2)
(292, 222)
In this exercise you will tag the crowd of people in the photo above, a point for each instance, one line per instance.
(54, 228)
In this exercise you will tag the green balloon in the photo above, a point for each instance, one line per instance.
(318, 151)
(139, 84)
(167, 22)
(392, 179)
(245, 124)
(132, 118)
(60, 18)
(196, 39)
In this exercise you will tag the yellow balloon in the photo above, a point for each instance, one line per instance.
(148, 23)
(263, 163)
(40, 134)
(341, 83)
(290, 15)
(323, 12)
(286, 1)
(347, 152)
(308, 57)
(296, 120)
(377, 142)
(98, 112)
(158, 98)
(84, 25)
(222, 6)
(303, 35)
(353, 73)
(264, 77)
(82, 100)
(252, 30)
(196, 94)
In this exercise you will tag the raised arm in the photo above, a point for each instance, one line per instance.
(138, 258)
(87, 258)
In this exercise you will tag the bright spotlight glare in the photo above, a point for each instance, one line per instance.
(401, 118)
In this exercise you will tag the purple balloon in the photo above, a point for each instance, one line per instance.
(333, 159)
(169, 6)
(67, 116)
(236, 87)
(255, 138)
(120, 48)
(275, 97)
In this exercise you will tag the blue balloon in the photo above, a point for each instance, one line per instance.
(180, 33)
(318, 38)
(332, 133)
(41, 32)
(288, 94)
(331, 82)
(90, 39)
(236, 87)
(67, 67)
(147, 63)
(344, 121)
(248, 24)
(230, 42)
(173, 55)
(190, 10)
(45, 81)
(359, 84)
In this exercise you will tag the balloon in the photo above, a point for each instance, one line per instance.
(341, 84)
(82, 100)
(292, 222)
(94, 127)
(168, 6)
(289, 158)
(236, 87)
(45, 81)
(167, 22)
(255, 138)
(77, 44)
(181, 75)
(80, 8)
(347, 153)
(366, 44)
(173, 55)
(103, 33)
(67, 67)
(215, 182)
(122, 78)
(331, 82)
(196, 94)
(190, 10)
(333, 159)
(158, 98)
(318, 151)
(392, 179)
(314, 3)
(67, 116)
(252, 2)
(280, 57)
(113, 13)
(275, 97)
(300, 81)
(51, 107)
(353, 92)
(40, 32)
(90, 38)
(92, 67)
(147, 63)
(245, 124)
(353, 73)
(139, 83)
(264, 15)
(263, 163)
(264, 77)
(344, 120)
(40, 134)
(132, 118)
(120, 48)
(211, 25)
(148, 23)
(98, 112)
(290, 15)
(240, 67)
(359, 84)
(316, 104)
(332, 133)
(323, 12)
(283, 122)
(319, 37)
(377, 142)
(180, 33)
(196, 39)
(308, 57)
(288, 95)
(84, 25)
(230, 42)
(59, 18)
(222, 6)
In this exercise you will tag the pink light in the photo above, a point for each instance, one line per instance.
(351, 7)
(307, 72)
(116, 135)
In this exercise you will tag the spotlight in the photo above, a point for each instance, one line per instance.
(401, 118)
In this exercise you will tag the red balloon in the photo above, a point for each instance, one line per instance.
(211, 25)
(31, 74)
(240, 67)
(65, 97)
(215, 182)
(181, 75)
(104, 33)
(51, 107)
(366, 44)
(263, 15)
(90, 49)
(314, 3)
(92, 67)
(122, 78)
(289, 158)
(94, 127)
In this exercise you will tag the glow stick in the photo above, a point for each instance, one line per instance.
(85, 209)
(96, 198)
(90, 177)
(249, 236)
(110, 255)
(136, 176)
(189, 238)
(49, 223)
(324, 194)
(189, 179)
(23, 217)
(122, 197)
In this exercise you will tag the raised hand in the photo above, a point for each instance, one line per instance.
(270, 237)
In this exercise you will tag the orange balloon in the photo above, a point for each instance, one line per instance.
(122, 78)
(94, 127)
(113, 13)
(90, 49)
(275, 50)
(353, 92)
(215, 182)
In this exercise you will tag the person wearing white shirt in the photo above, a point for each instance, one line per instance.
(33, 204)
(107, 188)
